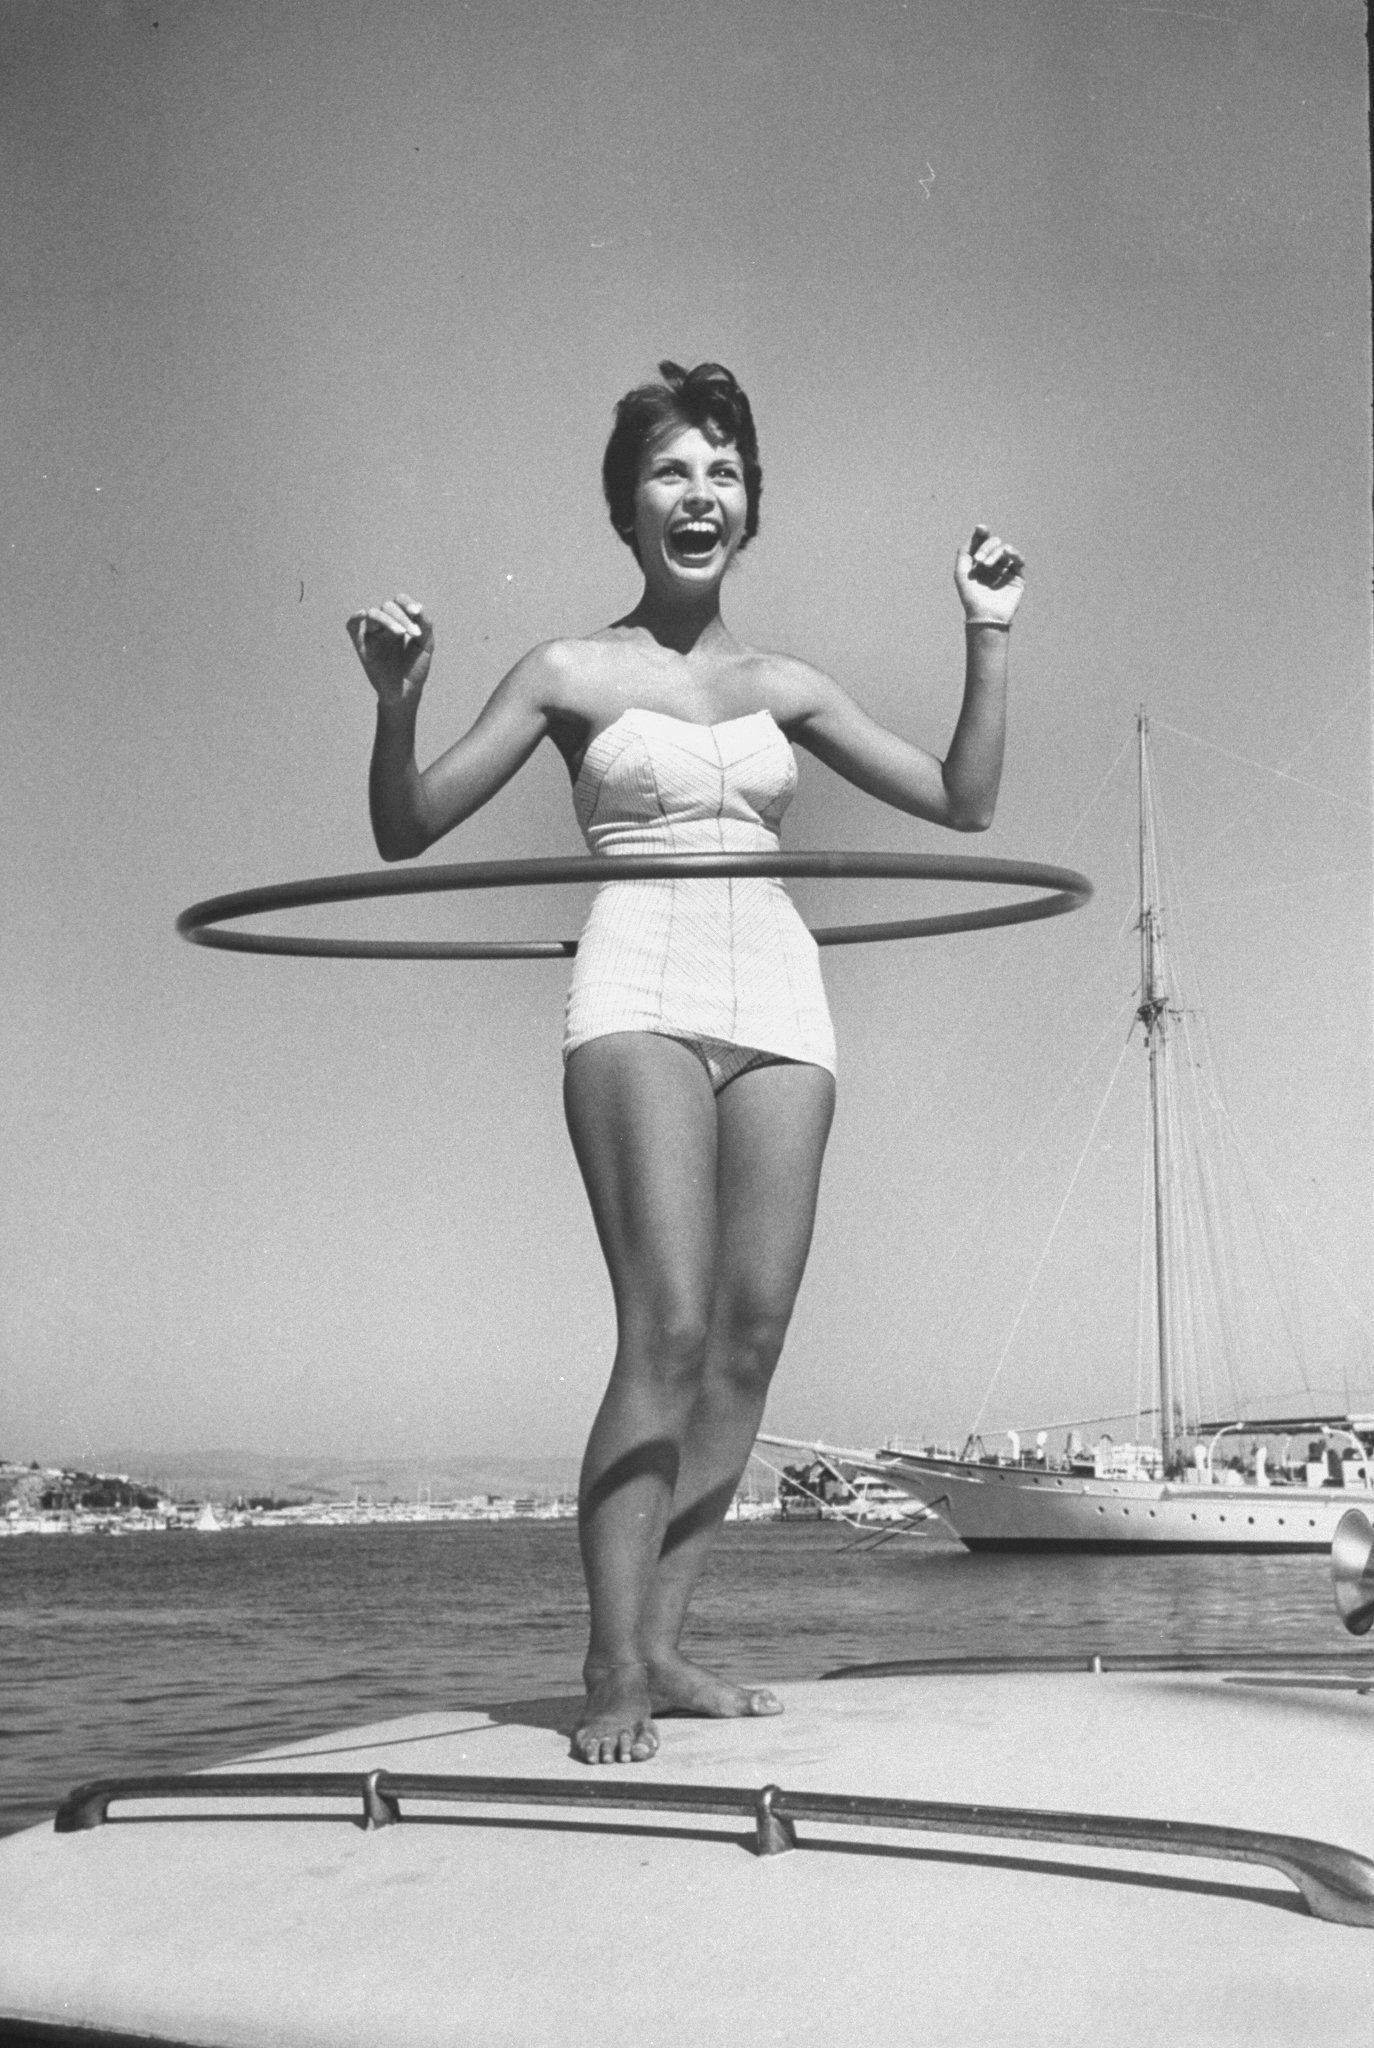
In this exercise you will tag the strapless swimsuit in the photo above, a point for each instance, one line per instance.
(725, 964)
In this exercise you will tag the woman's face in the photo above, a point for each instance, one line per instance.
(690, 507)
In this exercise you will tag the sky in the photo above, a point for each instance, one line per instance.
(313, 300)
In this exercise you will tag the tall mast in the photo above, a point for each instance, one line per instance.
(1152, 1013)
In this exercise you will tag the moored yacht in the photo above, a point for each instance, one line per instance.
(1249, 1481)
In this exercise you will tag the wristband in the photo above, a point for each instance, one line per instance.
(996, 625)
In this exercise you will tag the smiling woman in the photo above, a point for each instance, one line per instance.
(707, 399)
(691, 503)
(699, 1055)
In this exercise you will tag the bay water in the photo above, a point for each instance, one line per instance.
(175, 1651)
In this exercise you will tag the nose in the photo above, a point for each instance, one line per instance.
(698, 493)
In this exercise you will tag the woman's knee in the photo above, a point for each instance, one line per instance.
(666, 1342)
(749, 1341)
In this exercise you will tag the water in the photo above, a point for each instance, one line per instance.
(170, 1652)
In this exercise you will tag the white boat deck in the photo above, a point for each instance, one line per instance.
(261, 1924)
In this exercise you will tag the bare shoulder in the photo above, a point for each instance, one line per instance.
(552, 677)
(545, 667)
(564, 687)
(796, 691)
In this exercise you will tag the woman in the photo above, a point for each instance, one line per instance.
(699, 1059)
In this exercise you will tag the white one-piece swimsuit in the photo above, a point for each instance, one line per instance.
(719, 959)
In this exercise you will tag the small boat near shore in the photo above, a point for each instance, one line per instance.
(823, 1490)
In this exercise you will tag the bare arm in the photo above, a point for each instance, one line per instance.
(961, 790)
(411, 809)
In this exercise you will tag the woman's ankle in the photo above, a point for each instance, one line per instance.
(601, 1664)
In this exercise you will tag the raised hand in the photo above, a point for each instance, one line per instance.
(990, 577)
(394, 641)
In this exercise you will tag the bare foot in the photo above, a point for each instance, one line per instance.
(677, 1687)
(616, 1725)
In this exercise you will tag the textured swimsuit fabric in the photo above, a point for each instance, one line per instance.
(728, 959)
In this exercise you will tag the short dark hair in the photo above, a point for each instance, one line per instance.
(707, 398)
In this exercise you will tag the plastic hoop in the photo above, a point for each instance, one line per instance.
(1063, 889)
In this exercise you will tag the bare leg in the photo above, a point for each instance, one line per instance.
(772, 1129)
(643, 1123)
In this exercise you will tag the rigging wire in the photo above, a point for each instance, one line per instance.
(1249, 1165)
(938, 1352)
(1094, 799)
(1212, 1242)
(990, 970)
(1220, 1215)
(1142, 1292)
(1040, 1262)
(1008, 943)
(1279, 774)
(1217, 1238)
(1207, 1071)
(1272, 890)
(945, 1346)
(1201, 1211)
(1206, 1283)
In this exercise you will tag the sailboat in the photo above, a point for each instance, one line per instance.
(1243, 1481)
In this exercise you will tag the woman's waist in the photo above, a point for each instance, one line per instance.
(717, 911)
(705, 835)
(706, 892)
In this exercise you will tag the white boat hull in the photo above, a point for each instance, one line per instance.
(1015, 1507)
(249, 1924)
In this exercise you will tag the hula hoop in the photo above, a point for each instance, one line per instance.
(1062, 888)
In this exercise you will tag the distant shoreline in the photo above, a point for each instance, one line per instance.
(205, 1518)
(208, 1517)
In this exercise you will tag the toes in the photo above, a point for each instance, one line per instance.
(761, 1701)
(625, 1746)
(590, 1748)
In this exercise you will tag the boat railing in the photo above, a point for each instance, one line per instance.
(1330, 1433)
(1336, 1883)
(1333, 1432)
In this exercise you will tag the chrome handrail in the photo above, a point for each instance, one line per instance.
(1336, 1883)
(1357, 1664)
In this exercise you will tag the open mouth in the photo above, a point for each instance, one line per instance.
(694, 540)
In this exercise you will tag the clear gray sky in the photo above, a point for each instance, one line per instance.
(306, 302)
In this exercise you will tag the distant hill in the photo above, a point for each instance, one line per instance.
(223, 1474)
